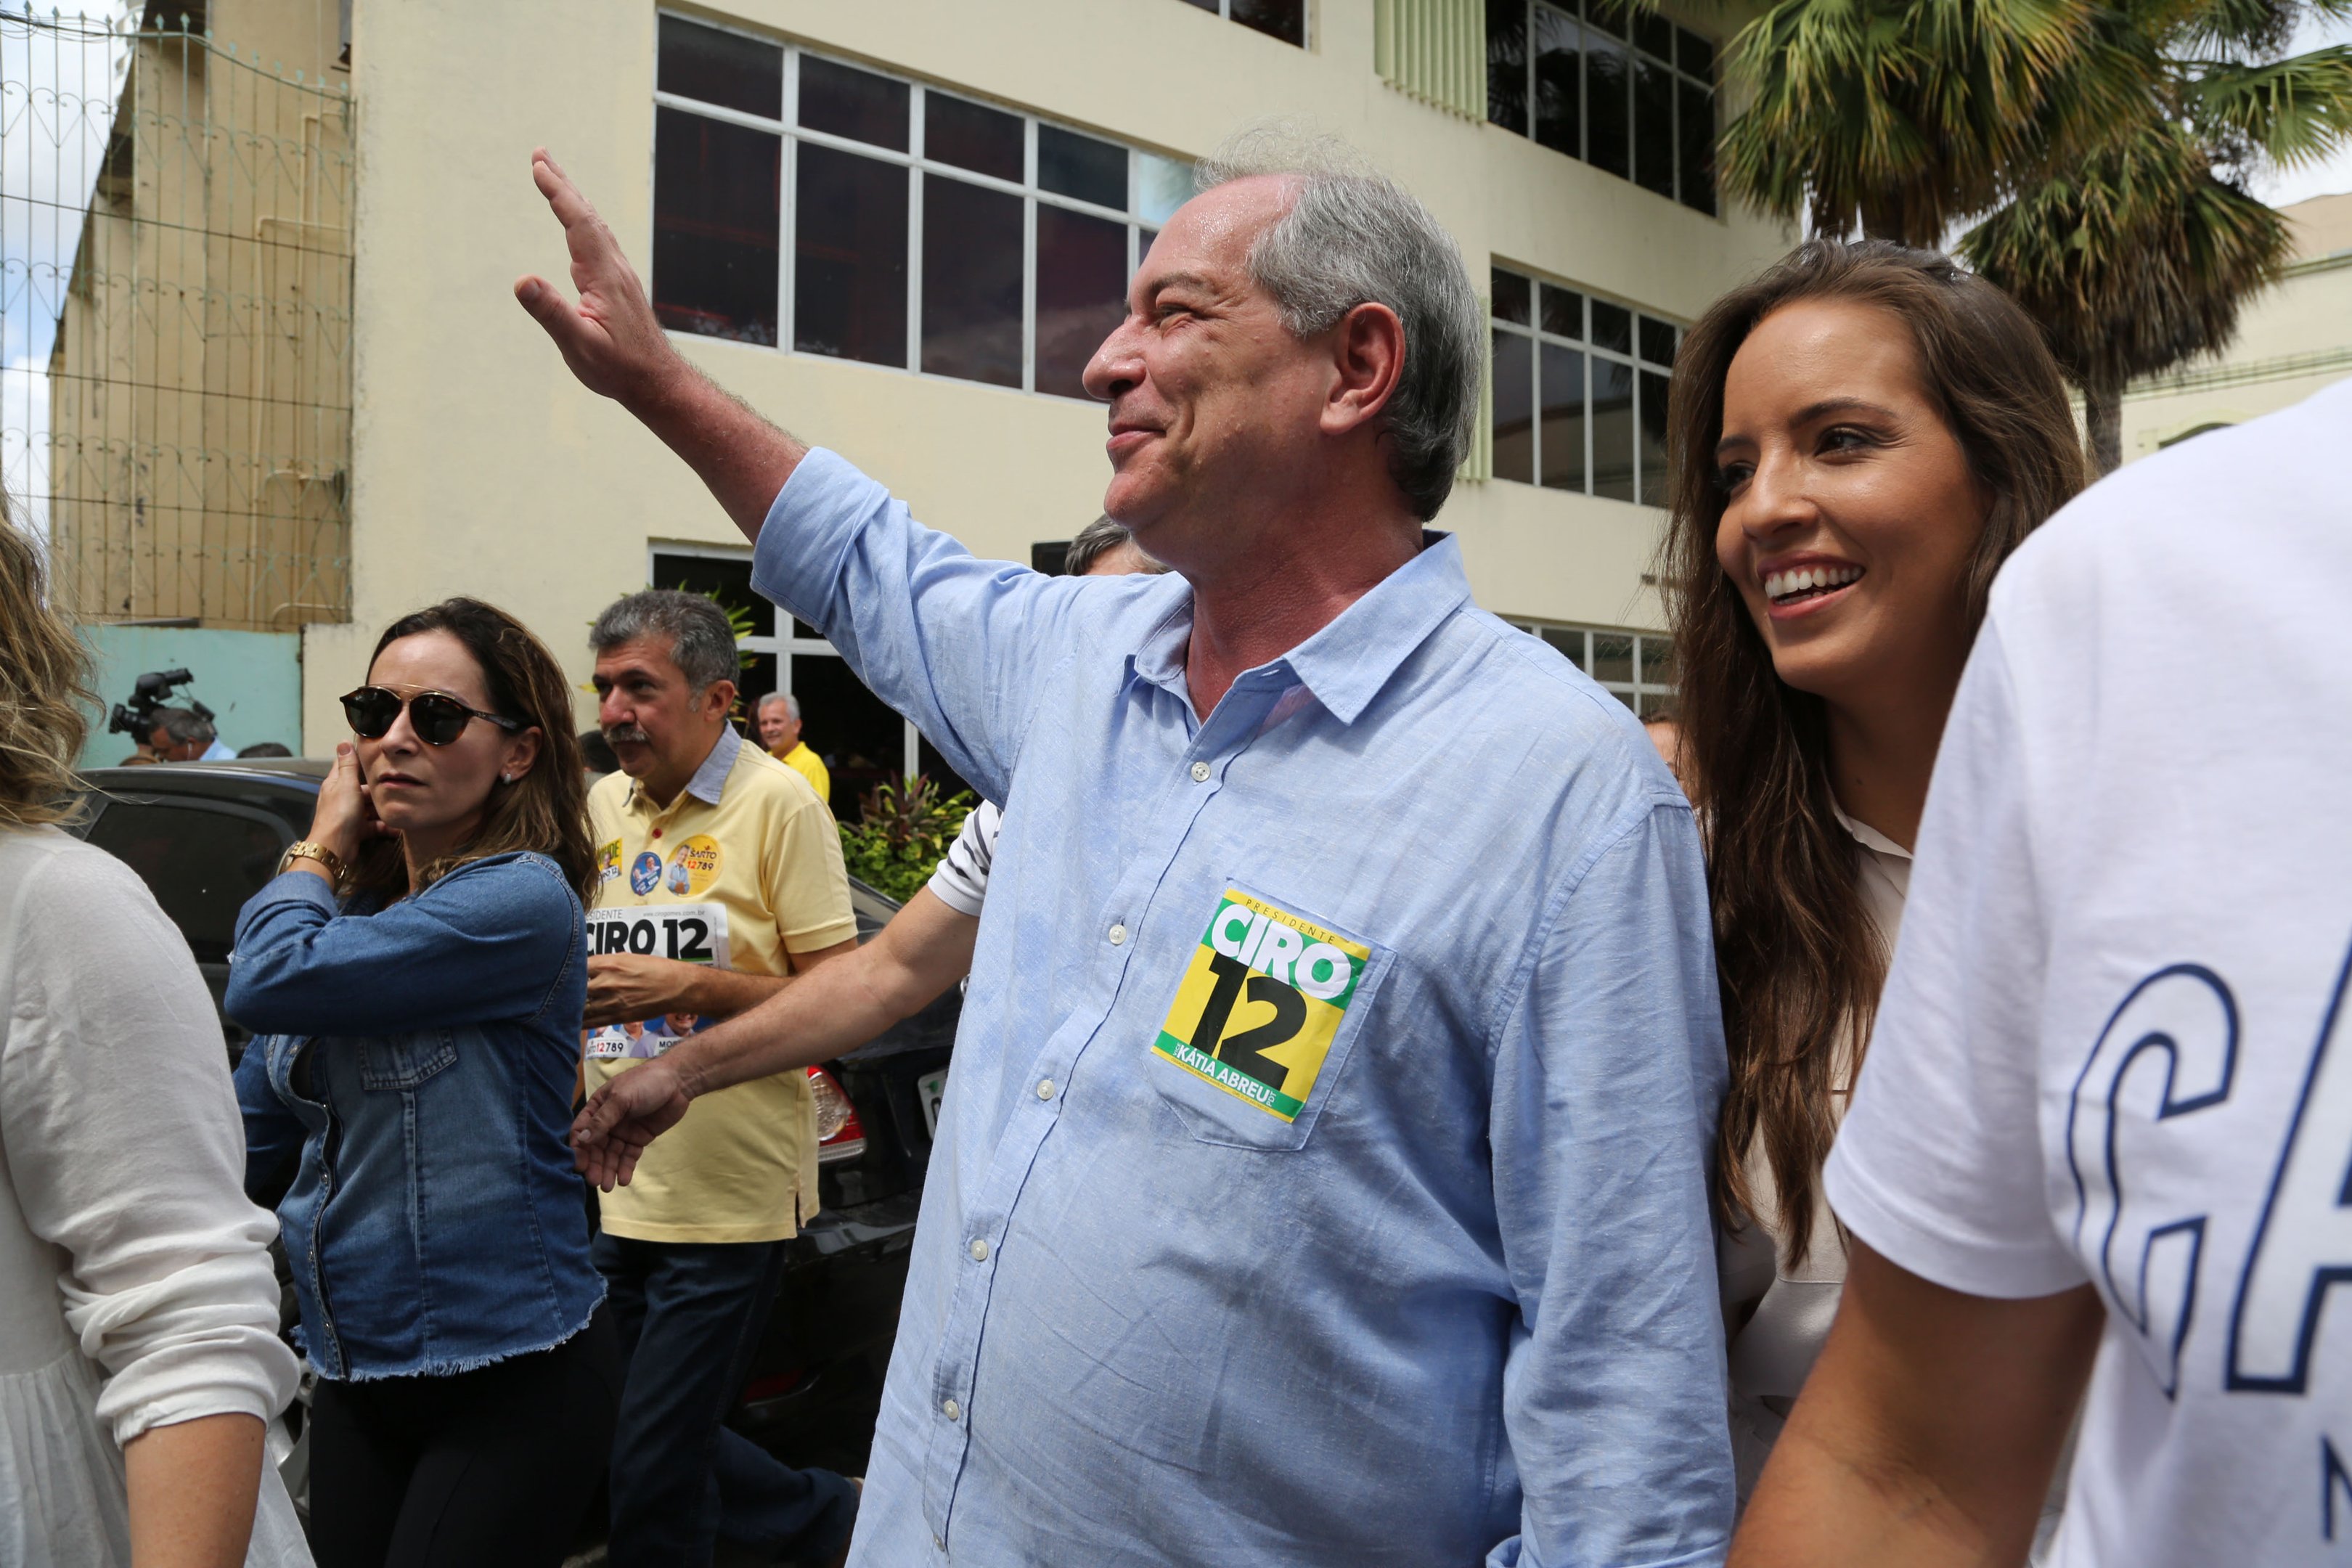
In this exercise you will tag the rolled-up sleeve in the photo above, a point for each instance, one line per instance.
(1608, 1074)
(124, 1143)
(954, 643)
(488, 941)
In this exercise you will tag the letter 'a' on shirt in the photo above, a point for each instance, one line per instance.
(742, 1165)
(2120, 998)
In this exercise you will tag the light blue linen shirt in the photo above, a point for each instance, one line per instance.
(1450, 1300)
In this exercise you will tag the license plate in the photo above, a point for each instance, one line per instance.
(930, 1089)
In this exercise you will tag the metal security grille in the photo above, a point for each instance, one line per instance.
(176, 226)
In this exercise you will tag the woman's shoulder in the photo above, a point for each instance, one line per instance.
(520, 877)
(70, 883)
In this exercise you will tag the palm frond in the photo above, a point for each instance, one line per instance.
(2293, 112)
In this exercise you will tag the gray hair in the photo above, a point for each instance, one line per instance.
(791, 703)
(184, 727)
(1353, 237)
(702, 644)
(1098, 539)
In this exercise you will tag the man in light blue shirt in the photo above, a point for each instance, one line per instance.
(1323, 1175)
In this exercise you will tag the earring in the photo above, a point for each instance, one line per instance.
(506, 778)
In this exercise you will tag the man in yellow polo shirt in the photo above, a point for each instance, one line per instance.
(719, 875)
(779, 722)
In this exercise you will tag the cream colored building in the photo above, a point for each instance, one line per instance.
(895, 227)
(2291, 341)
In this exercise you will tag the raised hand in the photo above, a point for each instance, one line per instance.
(620, 1119)
(344, 820)
(611, 338)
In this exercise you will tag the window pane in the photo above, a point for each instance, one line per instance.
(1511, 297)
(1506, 64)
(1514, 434)
(1081, 294)
(1203, 5)
(862, 740)
(202, 866)
(1560, 62)
(849, 257)
(720, 67)
(1694, 54)
(1657, 661)
(971, 282)
(727, 578)
(1654, 439)
(985, 141)
(1162, 184)
(1652, 34)
(1070, 165)
(1562, 389)
(1608, 104)
(1656, 704)
(1613, 429)
(1283, 19)
(1570, 640)
(854, 103)
(1654, 128)
(1657, 341)
(716, 205)
(1613, 658)
(1563, 311)
(1694, 121)
(1612, 327)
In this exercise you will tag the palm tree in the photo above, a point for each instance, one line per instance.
(2105, 146)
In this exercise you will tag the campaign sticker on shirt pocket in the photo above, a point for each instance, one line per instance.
(644, 873)
(693, 865)
(691, 934)
(1261, 1002)
(608, 862)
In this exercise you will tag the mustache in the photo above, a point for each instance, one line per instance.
(627, 736)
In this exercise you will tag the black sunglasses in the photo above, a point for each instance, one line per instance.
(437, 717)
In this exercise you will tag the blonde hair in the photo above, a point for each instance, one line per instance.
(44, 675)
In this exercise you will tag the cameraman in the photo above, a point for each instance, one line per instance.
(180, 736)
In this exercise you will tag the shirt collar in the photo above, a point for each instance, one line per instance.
(1346, 663)
(709, 780)
(1869, 838)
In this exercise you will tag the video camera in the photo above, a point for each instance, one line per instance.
(153, 691)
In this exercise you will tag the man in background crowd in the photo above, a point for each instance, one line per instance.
(179, 736)
(779, 730)
(263, 749)
(741, 851)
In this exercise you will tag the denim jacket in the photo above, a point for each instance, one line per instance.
(436, 1223)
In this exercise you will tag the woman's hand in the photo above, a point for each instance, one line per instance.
(345, 818)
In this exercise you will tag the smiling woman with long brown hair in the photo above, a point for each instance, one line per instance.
(1860, 436)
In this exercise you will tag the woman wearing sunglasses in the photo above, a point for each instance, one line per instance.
(418, 968)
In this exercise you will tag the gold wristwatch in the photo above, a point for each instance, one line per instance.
(311, 850)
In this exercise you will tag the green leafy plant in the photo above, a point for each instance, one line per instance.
(904, 833)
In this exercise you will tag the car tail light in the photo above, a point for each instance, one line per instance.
(839, 1134)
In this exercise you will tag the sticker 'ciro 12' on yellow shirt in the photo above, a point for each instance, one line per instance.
(1261, 1002)
(693, 866)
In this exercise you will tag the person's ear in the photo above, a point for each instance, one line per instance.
(522, 750)
(1367, 350)
(718, 700)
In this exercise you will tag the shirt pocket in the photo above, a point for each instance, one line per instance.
(404, 1061)
(1262, 1020)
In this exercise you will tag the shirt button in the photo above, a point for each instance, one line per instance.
(1118, 934)
(979, 1249)
(657, 833)
(1199, 772)
(1045, 1089)
(952, 1410)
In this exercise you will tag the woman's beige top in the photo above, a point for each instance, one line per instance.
(1778, 1313)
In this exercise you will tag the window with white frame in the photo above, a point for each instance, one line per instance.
(1622, 88)
(1636, 667)
(1283, 19)
(1581, 389)
(839, 210)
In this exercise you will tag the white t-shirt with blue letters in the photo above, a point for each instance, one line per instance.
(2117, 1043)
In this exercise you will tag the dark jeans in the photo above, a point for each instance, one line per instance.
(489, 1469)
(690, 1315)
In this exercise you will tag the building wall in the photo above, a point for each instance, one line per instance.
(480, 467)
(2291, 341)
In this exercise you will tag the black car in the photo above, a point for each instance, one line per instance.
(205, 837)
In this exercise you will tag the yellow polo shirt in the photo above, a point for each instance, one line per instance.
(749, 836)
(810, 767)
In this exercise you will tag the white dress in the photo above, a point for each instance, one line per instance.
(135, 1284)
